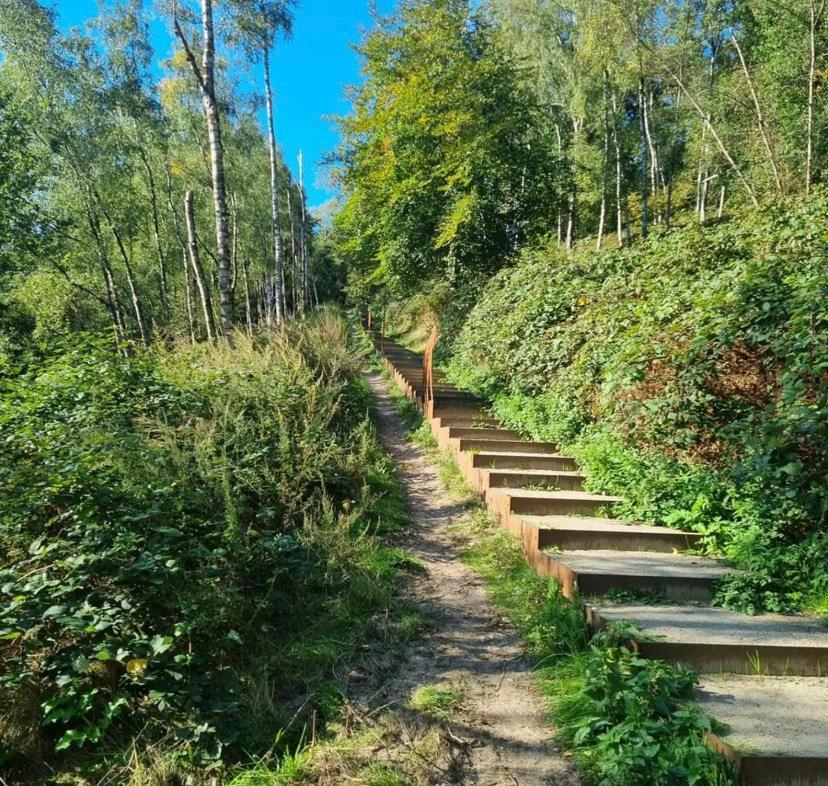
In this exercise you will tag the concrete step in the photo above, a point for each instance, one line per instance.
(458, 410)
(457, 432)
(776, 727)
(435, 409)
(455, 397)
(472, 445)
(459, 421)
(530, 478)
(527, 461)
(445, 436)
(581, 533)
(714, 640)
(679, 576)
(508, 502)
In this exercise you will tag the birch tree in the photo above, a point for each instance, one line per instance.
(259, 24)
(204, 75)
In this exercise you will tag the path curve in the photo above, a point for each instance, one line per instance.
(468, 643)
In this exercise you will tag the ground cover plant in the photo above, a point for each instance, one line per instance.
(689, 375)
(192, 542)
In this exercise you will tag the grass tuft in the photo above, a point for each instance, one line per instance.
(437, 700)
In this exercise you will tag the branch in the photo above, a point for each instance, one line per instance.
(760, 118)
(188, 52)
(78, 286)
(706, 120)
(207, 250)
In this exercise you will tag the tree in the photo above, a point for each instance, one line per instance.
(258, 25)
(204, 75)
(114, 155)
(446, 169)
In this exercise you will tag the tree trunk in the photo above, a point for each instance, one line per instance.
(303, 244)
(259, 305)
(656, 173)
(571, 218)
(313, 288)
(722, 193)
(278, 272)
(198, 271)
(137, 308)
(703, 173)
(156, 232)
(604, 176)
(234, 246)
(205, 76)
(642, 127)
(705, 186)
(627, 224)
(619, 207)
(115, 312)
(295, 270)
(648, 105)
(560, 209)
(760, 118)
(248, 308)
(188, 297)
(815, 15)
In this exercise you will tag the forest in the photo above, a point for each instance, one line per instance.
(612, 217)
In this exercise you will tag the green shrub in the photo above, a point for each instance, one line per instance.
(633, 722)
(189, 540)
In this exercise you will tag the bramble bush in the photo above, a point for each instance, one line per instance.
(189, 541)
(688, 374)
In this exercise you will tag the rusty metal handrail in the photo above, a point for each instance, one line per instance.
(428, 366)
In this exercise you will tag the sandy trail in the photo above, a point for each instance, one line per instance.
(468, 644)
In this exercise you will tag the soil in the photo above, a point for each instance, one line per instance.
(499, 724)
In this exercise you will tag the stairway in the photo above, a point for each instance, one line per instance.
(764, 677)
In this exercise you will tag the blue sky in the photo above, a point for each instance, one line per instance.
(310, 73)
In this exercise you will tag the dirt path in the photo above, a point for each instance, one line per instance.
(468, 644)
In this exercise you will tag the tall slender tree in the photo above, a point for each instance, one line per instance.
(205, 77)
(258, 25)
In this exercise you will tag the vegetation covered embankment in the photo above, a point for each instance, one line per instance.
(192, 543)
(687, 374)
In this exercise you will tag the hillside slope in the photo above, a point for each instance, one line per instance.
(687, 374)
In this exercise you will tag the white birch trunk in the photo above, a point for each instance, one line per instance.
(198, 272)
(275, 208)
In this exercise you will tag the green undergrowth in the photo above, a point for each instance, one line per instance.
(196, 551)
(686, 374)
(629, 721)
